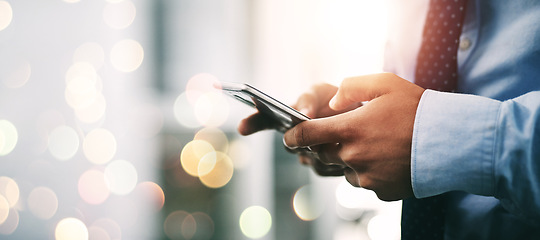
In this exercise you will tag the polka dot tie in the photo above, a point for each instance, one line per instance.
(437, 60)
(436, 69)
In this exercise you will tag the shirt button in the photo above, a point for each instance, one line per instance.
(464, 44)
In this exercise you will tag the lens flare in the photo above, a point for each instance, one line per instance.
(8, 137)
(42, 202)
(215, 170)
(121, 177)
(255, 222)
(92, 187)
(306, 206)
(6, 15)
(119, 15)
(71, 229)
(63, 143)
(127, 55)
(99, 146)
(10, 190)
(192, 153)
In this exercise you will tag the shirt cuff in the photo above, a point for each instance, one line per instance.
(453, 144)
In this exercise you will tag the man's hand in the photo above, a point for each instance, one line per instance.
(374, 140)
(313, 104)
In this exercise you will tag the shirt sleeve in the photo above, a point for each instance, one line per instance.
(481, 146)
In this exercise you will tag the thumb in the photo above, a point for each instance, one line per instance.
(363, 88)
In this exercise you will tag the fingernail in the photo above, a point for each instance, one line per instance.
(287, 146)
(332, 102)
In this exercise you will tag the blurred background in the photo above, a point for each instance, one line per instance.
(110, 129)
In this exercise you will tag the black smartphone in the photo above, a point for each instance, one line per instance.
(285, 116)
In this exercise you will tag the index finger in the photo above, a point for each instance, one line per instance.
(313, 132)
(255, 123)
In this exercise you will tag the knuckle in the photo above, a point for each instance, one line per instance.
(367, 183)
(298, 134)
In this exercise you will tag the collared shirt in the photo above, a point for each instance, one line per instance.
(482, 147)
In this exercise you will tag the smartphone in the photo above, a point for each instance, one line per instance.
(285, 116)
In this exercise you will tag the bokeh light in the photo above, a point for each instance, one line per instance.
(97, 233)
(42, 202)
(255, 222)
(383, 227)
(81, 69)
(11, 223)
(306, 206)
(151, 194)
(4, 209)
(215, 169)
(81, 85)
(183, 225)
(121, 177)
(119, 15)
(10, 190)
(110, 226)
(45, 123)
(71, 229)
(6, 14)
(204, 224)
(63, 142)
(8, 137)
(192, 153)
(92, 187)
(173, 224)
(127, 55)
(90, 52)
(94, 111)
(200, 84)
(351, 197)
(99, 146)
(215, 136)
(19, 76)
(240, 153)
(211, 109)
(184, 112)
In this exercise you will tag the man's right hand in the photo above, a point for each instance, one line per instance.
(314, 104)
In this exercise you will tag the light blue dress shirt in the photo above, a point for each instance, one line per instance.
(481, 148)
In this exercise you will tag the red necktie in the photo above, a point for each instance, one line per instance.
(436, 69)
